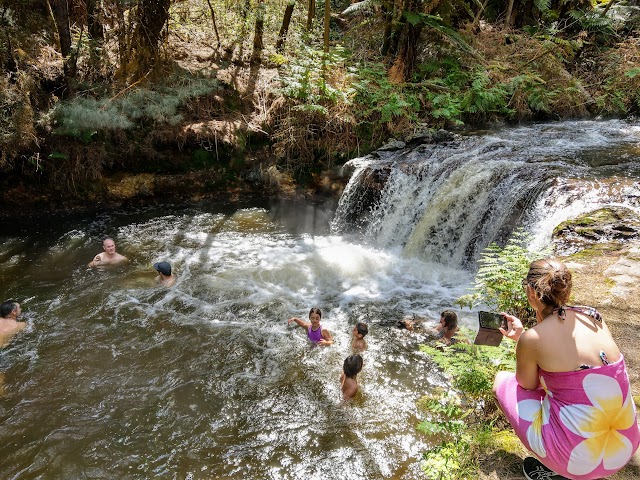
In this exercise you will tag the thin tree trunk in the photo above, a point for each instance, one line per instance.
(213, 19)
(507, 20)
(286, 21)
(96, 31)
(259, 33)
(60, 11)
(387, 14)
(327, 21)
(311, 14)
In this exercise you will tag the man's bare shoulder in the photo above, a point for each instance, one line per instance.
(8, 328)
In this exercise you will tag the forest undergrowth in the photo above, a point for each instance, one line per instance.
(227, 102)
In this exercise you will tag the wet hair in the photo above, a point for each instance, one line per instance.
(362, 328)
(551, 280)
(7, 307)
(352, 365)
(315, 310)
(108, 238)
(450, 319)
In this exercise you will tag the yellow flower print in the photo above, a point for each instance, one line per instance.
(600, 426)
(536, 412)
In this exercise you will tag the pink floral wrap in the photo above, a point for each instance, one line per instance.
(580, 424)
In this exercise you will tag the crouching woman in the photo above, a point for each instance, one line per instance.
(569, 400)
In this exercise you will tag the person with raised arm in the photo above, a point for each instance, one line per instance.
(315, 332)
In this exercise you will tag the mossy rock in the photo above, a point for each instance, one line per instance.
(597, 232)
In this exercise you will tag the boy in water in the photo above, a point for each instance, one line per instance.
(348, 381)
(315, 332)
(358, 343)
(449, 322)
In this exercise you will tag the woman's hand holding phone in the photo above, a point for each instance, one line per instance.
(514, 327)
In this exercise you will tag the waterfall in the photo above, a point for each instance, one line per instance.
(446, 202)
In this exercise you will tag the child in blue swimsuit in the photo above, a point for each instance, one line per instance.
(315, 332)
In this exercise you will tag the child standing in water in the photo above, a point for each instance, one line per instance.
(348, 381)
(357, 341)
(315, 332)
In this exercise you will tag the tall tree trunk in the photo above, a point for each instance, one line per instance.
(60, 11)
(387, 14)
(95, 28)
(258, 33)
(123, 33)
(311, 14)
(509, 14)
(396, 34)
(286, 21)
(404, 62)
(213, 19)
(152, 15)
(327, 22)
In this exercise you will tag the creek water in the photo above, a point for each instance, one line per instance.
(116, 377)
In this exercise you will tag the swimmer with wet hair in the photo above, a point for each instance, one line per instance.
(358, 343)
(9, 324)
(315, 332)
(348, 381)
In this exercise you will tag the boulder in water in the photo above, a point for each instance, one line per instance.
(603, 229)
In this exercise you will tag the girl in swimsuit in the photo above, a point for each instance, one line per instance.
(315, 332)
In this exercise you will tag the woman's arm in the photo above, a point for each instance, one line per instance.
(526, 361)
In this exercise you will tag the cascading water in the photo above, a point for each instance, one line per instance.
(446, 202)
(115, 377)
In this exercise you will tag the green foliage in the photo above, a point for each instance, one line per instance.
(307, 77)
(498, 282)
(480, 100)
(84, 114)
(435, 23)
(377, 101)
(462, 419)
(538, 95)
(632, 73)
(594, 22)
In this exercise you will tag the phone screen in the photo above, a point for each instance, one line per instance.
(491, 320)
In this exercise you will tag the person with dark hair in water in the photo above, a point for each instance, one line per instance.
(348, 382)
(569, 400)
(164, 277)
(358, 343)
(315, 332)
(9, 324)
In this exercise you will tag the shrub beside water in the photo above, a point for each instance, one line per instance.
(462, 421)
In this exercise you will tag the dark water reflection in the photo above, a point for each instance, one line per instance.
(118, 378)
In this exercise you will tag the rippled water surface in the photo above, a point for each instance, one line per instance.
(118, 378)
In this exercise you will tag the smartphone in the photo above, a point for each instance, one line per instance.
(488, 333)
(493, 321)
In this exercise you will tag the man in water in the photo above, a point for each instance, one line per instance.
(9, 324)
(164, 274)
(109, 256)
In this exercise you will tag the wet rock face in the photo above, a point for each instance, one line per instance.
(610, 227)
